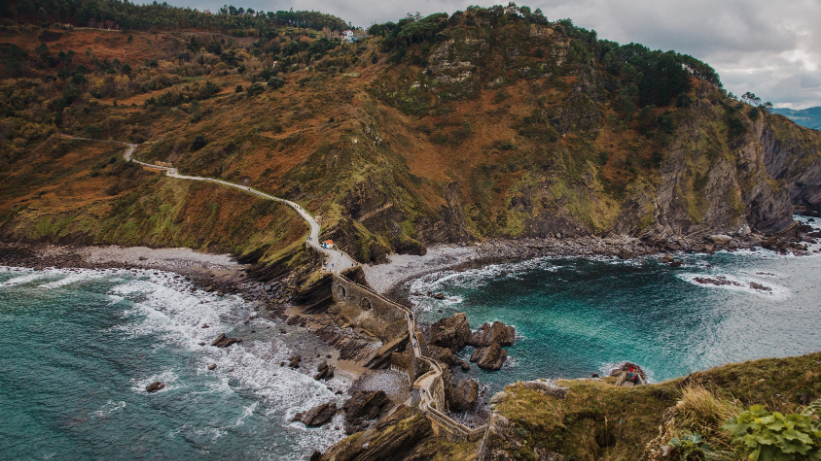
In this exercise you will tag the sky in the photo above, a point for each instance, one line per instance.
(767, 47)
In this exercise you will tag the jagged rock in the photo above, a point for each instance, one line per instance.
(212, 367)
(317, 416)
(324, 371)
(396, 435)
(496, 333)
(363, 406)
(154, 387)
(667, 258)
(293, 362)
(464, 395)
(489, 358)
(443, 355)
(224, 341)
(316, 456)
(451, 332)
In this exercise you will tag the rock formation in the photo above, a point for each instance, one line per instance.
(497, 333)
(363, 406)
(451, 332)
(154, 387)
(489, 358)
(317, 416)
(464, 395)
(324, 371)
(224, 341)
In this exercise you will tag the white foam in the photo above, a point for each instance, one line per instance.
(740, 283)
(109, 407)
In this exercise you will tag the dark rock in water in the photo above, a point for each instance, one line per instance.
(465, 366)
(489, 358)
(316, 456)
(317, 416)
(464, 395)
(676, 264)
(667, 258)
(293, 362)
(324, 371)
(154, 387)
(213, 366)
(594, 375)
(451, 332)
(363, 406)
(224, 341)
(202, 343)
(497, 333)
(437, 296)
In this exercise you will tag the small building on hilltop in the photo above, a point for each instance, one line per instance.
(347, 35)
(328, 244)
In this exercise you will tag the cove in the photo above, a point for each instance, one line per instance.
(575, 316)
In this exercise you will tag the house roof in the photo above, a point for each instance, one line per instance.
(329, 242)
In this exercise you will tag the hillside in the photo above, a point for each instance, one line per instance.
(808, 118)
(489, 123)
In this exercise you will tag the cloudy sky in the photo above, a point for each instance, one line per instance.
(769, 47)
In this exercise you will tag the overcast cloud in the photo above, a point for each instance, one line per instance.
(768, 47)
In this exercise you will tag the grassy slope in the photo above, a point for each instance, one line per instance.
(599, 421)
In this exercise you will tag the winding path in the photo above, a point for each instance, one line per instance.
(336, 260)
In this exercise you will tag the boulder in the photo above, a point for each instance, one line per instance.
(363, 406)
(154, 387)
(464, 395)
(316, 416)
(293, 362)
(721, 239)
(224, 341)
(489, 358)
(451, 332)
(324, 371)
(212, 367)
(497, 333)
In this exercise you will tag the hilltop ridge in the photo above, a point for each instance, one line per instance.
(488, 123)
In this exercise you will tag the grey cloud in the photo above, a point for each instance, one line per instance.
(764, 46)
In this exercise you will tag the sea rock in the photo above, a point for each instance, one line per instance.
(667, 258)
(224, 341)
(154, 387)
(464, 395)
(489, 358)
(324, 371)
(363, 406)
(451, 332)
(293, 362)
(212, 367)
(497, 333)
(317, 416)
(439, 296)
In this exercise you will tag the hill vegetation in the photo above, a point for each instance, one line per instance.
(487, 123)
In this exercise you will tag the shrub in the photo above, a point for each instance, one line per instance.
(771, 436)
(199, 142)
(239, 89)
(690, 446)
(275, 83)
(93, 131)
(255, 89)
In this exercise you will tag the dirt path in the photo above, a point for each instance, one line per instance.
(335, 260)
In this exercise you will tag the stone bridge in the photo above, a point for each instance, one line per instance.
(398, 322)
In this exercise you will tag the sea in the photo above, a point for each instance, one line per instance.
(78, 347)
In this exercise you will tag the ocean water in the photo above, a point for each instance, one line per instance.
(78, 348)
(575, 317)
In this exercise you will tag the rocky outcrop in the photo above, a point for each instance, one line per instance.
(363, 406)
(497, 333)
(401, 436)
(224, 341)
(489, 358)
(324, 371)
(464, 395)
(451, 332)
(154, 387)
(317, 416)
(294, 361)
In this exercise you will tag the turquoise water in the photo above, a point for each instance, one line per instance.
(575, 317)
(79, 347)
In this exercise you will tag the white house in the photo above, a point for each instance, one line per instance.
(347, 35)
